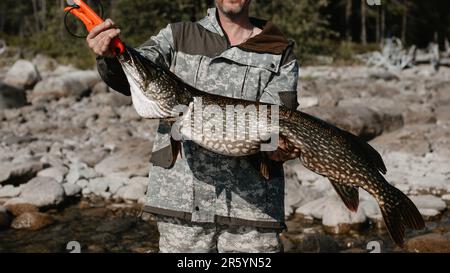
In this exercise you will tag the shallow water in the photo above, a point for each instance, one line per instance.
(99, 226)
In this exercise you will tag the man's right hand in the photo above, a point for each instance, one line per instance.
(100, 37)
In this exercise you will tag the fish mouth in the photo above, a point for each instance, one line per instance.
(132, 65)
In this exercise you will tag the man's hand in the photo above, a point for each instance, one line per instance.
(283, 153)
(100, 37)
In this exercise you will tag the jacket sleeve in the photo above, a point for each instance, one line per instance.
(282, 88)
(158, 48)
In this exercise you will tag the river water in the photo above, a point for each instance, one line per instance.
(96, 225)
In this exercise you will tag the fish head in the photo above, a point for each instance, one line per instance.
(151, 91)
(140, 71)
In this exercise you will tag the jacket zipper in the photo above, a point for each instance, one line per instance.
(243, 82)
(198, 69)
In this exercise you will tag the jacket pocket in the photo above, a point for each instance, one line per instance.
(256, 80)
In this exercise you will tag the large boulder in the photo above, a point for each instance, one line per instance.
(57, 173)
(358, 120)
(23, 74)
(74, 84)
(43, 191)
(388, 110)
(11, 97)
(17, 173)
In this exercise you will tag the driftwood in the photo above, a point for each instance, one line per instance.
(395, 57)
(392, 57)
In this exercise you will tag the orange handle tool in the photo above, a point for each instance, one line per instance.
(90, 19)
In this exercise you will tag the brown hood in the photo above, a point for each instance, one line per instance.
(270, 40)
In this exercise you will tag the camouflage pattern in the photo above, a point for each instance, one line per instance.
(202, 183)
(181, 236)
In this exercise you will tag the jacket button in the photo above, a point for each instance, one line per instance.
(197, 208)
(272, 65)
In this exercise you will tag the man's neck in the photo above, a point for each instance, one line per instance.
(237, 29)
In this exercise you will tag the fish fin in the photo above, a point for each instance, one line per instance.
(348, 194)
(400, 212)
(368, 152)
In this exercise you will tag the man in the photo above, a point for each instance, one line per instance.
(207, 202)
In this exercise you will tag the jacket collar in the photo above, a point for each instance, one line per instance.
(270, 40)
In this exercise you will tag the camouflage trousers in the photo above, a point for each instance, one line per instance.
(181, 236)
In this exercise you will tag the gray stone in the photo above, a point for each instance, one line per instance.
(98, 185)
(56, 173)
(88, 173)
(132, 192)
(411, 139)
(90, 156)
(83, 183)
(141, 180)
(358, 120)
(23, 74)
(73, 176)
(18, 172)
(307, 102)
(115, 183)
(73, 84)
(43, 191)
(9, 191)
(71, 189)
(77, 173)
(429, 202)
(388, 110)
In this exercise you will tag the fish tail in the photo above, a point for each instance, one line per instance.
(399, 212)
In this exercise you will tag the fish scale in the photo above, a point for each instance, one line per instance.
(348, 162)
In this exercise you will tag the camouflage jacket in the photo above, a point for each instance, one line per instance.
(203, 186)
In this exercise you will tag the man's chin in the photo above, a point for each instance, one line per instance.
(233, 13)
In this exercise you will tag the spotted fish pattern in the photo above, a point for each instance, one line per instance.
(347, 161)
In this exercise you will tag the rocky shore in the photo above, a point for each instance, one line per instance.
(66, 138)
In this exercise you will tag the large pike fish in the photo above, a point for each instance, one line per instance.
(347, 161)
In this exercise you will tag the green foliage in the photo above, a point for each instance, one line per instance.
(301, 21)
(315, 25)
